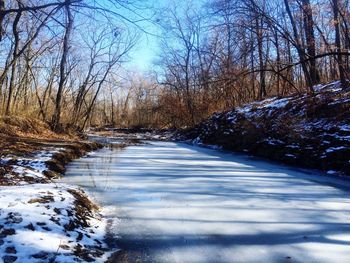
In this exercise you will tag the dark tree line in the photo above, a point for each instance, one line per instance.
(230, 52)
(60, 59)
(57, 56)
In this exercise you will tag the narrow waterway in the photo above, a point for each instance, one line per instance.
(171, 202)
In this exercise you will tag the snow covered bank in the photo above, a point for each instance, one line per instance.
(40, 222)
(312, 131)
(44, 222)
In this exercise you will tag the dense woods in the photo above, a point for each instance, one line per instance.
(58, 56)
(233, 52)
(62, 61)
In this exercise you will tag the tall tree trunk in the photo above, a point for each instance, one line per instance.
(14, 64)
(112, 110)
(258, 28)
(339, 57)
(299, 47)
(310, 40)
(252, 64)
(63, 64)
(278, 62)
(2, 8)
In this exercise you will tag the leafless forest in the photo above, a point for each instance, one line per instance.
(63, 61)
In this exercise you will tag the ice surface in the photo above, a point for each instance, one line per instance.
(179, 203)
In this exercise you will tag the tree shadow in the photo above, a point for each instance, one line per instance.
(179, 201)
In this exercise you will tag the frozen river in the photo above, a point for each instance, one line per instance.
(171, 202)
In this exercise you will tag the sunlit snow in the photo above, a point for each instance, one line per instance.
(178, 203)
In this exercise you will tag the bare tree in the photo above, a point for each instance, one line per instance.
(339, 56)
(63, 64)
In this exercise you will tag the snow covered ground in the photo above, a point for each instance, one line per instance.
(302, 130)
(26, 169)
(171, 202)
(40, 222)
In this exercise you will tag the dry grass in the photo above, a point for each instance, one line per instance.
(29, 127)
(21, 137)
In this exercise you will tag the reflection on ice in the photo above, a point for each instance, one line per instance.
(177, 203)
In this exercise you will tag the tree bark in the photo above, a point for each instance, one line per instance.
(299, 48)
(14, 64)
(339, 56)
(63, 65)
(310, 40)
(258, 28)
(2, 16)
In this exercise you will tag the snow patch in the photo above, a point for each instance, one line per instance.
(334, 149)
(34, 222)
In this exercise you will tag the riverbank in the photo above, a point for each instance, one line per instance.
(39, 219)
(303, 130)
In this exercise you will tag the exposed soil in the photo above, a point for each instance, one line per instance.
(24, 137)
(309, 131)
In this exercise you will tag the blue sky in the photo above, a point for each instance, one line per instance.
(147, 48)
(146, 51)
